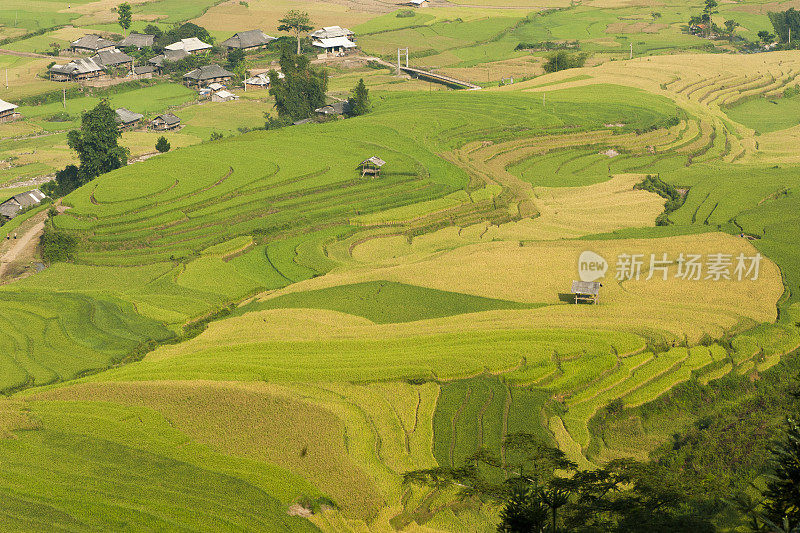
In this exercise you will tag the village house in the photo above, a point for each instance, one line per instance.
(332, 32)
(416, 3)
(168, 55)
(206, 75)
(165, 122)
(144, 71)
(7, 111)
(76, 70)
(91, 44)
(192, 45)
(336, 108)
(137, 40)
(126, 118)
(334, 40)
(14, 205)
(223, 96)
(248, 40)
(108, 59)
(216, 86)
(261, 80)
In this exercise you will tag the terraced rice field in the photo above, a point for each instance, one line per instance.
(367, 327)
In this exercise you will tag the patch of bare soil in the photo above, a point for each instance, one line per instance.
(299, 510)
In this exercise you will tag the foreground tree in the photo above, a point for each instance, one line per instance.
(124, 16)
(359, 103)
(296, 22)
(782, 495)
(97, 143)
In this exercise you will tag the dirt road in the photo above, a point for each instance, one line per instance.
(23, 245)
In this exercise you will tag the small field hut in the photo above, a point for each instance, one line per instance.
(586, 291)
(371, 167)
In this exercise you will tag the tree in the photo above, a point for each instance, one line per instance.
(162, 144)
(359, 103)
(730, 26)
(782, 495)
(523, 513)
(152, 29)
(766, 37)
(97, 143)
(235, 57)
(67, 180)
(124, 16)
(296, 22)
(561, 60)
(301, 90)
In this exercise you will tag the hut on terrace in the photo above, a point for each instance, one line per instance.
(371, 167)
(586, 291)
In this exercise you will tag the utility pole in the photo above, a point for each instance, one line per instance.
(631, 56)
(6, 79)
(543, 98)
(64, 97)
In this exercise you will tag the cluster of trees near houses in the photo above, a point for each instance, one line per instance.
(785, 23)
(737, 468)
(302, 90)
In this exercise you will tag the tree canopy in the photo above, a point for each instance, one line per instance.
(301, 91)
(97, 143)
(124, 15)
(359, 103)
(296, 22)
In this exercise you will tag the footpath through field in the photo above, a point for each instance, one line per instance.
(24, 245)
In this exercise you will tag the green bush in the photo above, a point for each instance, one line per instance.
(562, 60)
(406, 13)
(58, 246)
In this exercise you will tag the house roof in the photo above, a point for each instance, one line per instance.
(139, 40)
(126, 116)
(329, 32)
(144, 69)
(208, 72)
(29, 198)
(225, 94)
(192, 44)
(77, 66)
(168, 119)
(9, 208)
(586, 287)
(168, 55)
(334, 42)
(248, 39)
(110, 58)
(216, 86)
(374, 160)
(262, 79)
(417, 2)
(92, 42)
(6, 106)
(336, 108)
